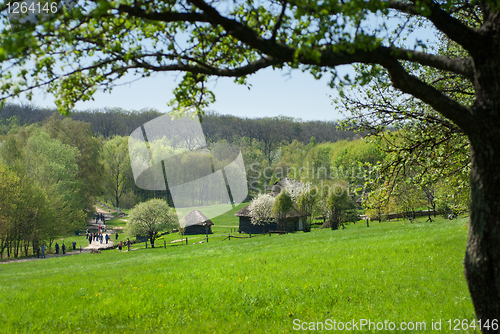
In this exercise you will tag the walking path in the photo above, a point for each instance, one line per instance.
(94, 245)
(47, 256)
(93, 226)
(98, 245)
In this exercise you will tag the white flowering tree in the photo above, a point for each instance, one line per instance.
(296, 188)
(261, 209)
(151, 217)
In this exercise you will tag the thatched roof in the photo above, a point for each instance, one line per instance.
(245, 212)
(195, 217)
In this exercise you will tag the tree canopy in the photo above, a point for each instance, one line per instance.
(102, 41)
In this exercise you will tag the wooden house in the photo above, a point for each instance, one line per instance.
(295, 221)
(197, 223)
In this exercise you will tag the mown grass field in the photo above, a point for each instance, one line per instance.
(393, 271)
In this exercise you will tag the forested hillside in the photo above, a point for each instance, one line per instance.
(271, 130)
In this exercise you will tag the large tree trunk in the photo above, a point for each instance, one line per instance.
(482, 258)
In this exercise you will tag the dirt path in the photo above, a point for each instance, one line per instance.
(47, 256)
(94, 245)
(92, 225)
(98, 245)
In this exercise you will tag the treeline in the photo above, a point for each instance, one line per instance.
(49, 176)
(106, 122)
(270, 130)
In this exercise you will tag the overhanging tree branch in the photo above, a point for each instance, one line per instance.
(162, 16)
(452, 27)
(448, 107)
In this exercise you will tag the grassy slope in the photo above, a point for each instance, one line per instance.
(395, 271)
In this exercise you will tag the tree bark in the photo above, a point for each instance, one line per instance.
(482, 258)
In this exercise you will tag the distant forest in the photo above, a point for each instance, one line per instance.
(110, 122)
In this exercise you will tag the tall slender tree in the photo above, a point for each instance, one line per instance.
(118, 170)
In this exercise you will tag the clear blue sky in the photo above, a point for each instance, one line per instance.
(272, 93)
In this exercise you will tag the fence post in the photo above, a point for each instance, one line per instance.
(165, 244)
(186, 240)
(207, 238)
(229, 237)
(367, 223)
(146, 242)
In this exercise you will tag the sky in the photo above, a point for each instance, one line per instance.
(273, 93)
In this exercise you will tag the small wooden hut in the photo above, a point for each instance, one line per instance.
(197, 223)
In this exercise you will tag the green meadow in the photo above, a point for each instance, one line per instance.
(396, 271)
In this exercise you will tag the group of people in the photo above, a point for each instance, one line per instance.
(99, 217)
(127, 243)
(63, 247)
(41, 250)
(99, 236)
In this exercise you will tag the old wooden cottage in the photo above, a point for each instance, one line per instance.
(295, 221)
(197, 223)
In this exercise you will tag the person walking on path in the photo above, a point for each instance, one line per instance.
(64, 248)
(116, 235)
(80, 248)
(43, 252)
(38, 252)
(106, 237)
(128, 245)
(57, 248)
(90, 239)
(120, 245)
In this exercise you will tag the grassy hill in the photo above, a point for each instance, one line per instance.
(393, 271)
